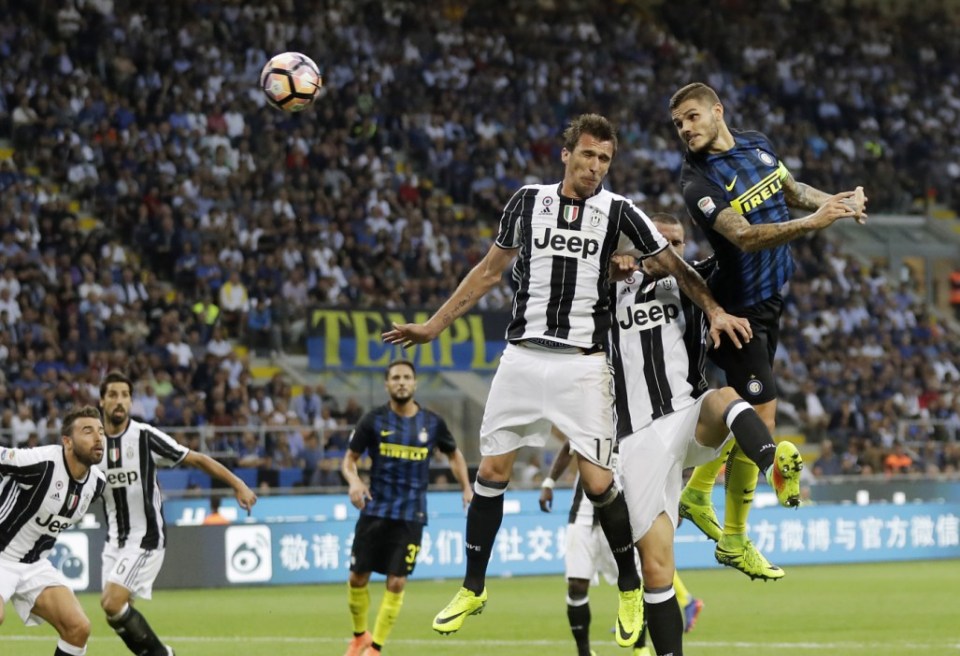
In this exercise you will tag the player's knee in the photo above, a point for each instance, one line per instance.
(112, 603)
(601, 496)
(577, 589)
(396, 584)
(495, 469)
(657, 573)
(726, 396)
(358, 579)
(76, 629)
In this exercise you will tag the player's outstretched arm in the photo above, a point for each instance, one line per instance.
(481, 279)
(751, 238)
(692, 284)
(804, 197)
(244, 495)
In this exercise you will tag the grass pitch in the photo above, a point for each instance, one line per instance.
(889, 609)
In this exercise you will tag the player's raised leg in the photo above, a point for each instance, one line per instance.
(723, 410)
(483, 522)
(696, 499)
(611, 508)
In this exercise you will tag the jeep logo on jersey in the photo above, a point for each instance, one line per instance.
(644, 316)
(122, 477)
(567, 243)
(53, 523)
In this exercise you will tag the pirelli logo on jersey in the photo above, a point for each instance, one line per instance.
(566, 243)
(761, 192)
(404, 452)
(645, 316)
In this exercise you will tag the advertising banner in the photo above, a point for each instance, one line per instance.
(347, 339)
(307, 539)
(313, 544)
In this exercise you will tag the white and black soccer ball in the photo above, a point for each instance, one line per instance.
(291, 81)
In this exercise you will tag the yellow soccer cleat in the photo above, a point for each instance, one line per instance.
(629, 617)
(785, 474)
(696, 507)
(464, 603)
(642, 651)
(737, 551)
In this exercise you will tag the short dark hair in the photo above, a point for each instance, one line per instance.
(66, 429)
(397, 363)
(592, 124)
(665, 218)
(696, 91)
(114, 377)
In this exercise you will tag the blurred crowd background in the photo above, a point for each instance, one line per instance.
(157, 218)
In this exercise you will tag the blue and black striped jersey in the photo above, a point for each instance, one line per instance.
(400, 448)
(748, 178)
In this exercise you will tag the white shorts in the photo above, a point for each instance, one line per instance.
(588, 554)
(22, 583)
(652, 461)
(535, 389)
(132, 568)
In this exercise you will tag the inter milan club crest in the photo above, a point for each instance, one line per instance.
(766, 157)
(423, 436)
(571, 213)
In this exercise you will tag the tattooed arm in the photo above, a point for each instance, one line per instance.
(750, 238)
(481, 279)
(690, 283)
(803, 196)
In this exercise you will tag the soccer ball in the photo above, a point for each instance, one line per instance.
(291, 81)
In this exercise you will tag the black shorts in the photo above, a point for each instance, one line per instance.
(750, 370)
(386, 546)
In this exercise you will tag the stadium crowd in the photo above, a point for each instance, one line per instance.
(222, 221)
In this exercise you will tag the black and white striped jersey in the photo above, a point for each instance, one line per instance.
(38, 499)
(132, 501)
(561, 269)
(659, 345)
(581, 509)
